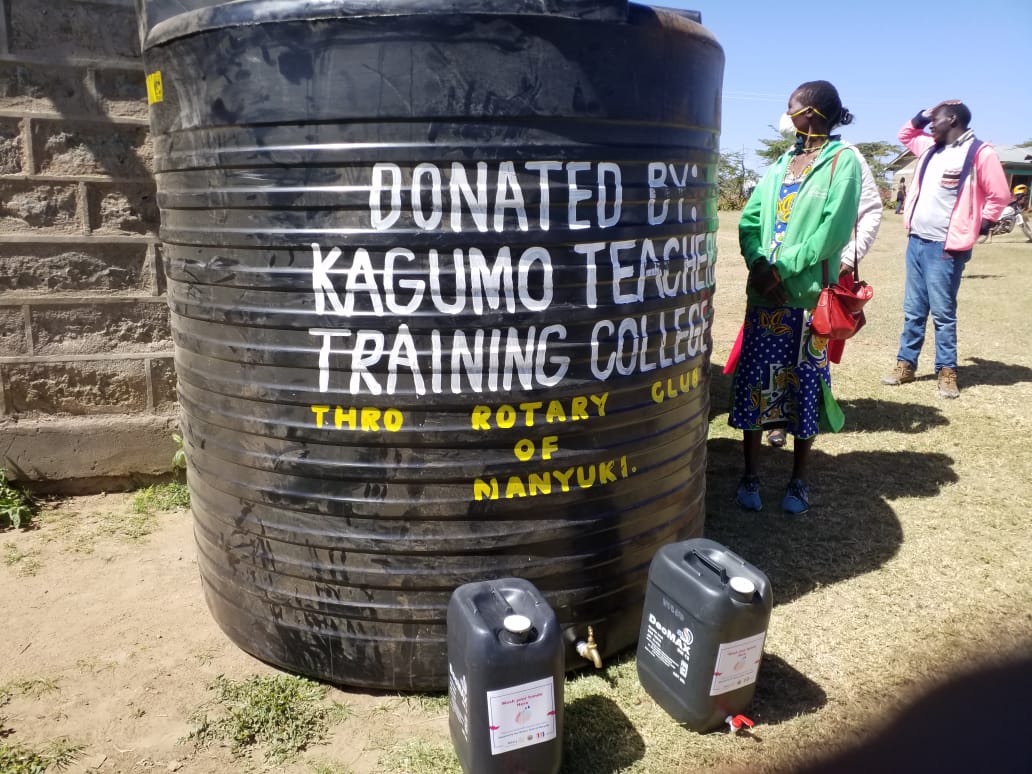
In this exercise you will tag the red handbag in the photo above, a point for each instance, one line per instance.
(839, 313)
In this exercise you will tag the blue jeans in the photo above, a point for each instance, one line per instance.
(933, 279)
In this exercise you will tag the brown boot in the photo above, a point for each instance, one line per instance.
(948, 382)
(903, 373)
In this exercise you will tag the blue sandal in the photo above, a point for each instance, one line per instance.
(748, 494)
(797, 497)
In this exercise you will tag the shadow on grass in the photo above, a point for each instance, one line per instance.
(993, 373)
(783, 693)
(720, 391)
(867, 415)
(950, 728)
(990, 373)
(850, 529)
(598, 737)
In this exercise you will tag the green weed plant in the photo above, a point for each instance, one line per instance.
(420, 756)
(16, 507)
(33, 687)
(19, 759)
(161, 497)
(179, 458)
(282, 715)
(166, 497)
(25, 563)
(128, 527)
(329, 767)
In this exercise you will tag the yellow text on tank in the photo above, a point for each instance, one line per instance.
(529, 413)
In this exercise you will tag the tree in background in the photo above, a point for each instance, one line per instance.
(878, 155)
(772, 149)
(734, 181)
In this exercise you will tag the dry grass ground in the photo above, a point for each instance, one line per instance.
(913, 565)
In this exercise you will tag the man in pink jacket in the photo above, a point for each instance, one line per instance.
(958, 192)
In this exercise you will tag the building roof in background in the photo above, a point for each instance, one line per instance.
(1014, 154)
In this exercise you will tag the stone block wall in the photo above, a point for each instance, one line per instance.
(87, 388)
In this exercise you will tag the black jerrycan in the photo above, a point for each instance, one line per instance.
(702, 630)
(506, 663)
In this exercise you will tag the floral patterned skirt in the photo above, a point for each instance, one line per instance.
(777, 381)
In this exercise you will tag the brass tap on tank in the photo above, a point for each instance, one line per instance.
(589, 649)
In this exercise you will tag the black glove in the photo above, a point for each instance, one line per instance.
(765, 280)
(983, 230)
(762, 276)
(922, 119)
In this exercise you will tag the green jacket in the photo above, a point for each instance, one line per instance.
(821, 223)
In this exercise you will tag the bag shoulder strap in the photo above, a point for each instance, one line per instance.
(834, 161)
(824, 263)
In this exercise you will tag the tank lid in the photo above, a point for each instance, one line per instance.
(164, 20)
(517, 624)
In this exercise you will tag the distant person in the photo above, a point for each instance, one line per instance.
(1020, 200)
(782, 377)
(959, 192)
(868, 221)
(901, 195)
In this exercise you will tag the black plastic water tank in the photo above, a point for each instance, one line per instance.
(440, 277)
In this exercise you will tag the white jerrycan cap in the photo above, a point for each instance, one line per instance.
(517, 624)
(742, 587)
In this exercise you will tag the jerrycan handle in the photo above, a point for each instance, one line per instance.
(709, 564)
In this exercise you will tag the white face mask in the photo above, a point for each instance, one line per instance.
(786, 127)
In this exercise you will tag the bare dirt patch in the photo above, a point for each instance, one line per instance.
(106, 626)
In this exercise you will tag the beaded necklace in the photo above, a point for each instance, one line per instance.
(805, 170)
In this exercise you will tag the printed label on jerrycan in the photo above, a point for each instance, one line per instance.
(738, 664)
(458, 698)
(670, 644)
(522, 715)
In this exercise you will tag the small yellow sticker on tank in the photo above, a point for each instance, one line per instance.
(155, 92)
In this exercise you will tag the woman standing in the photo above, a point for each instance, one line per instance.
(901, 195)
(799, 217)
